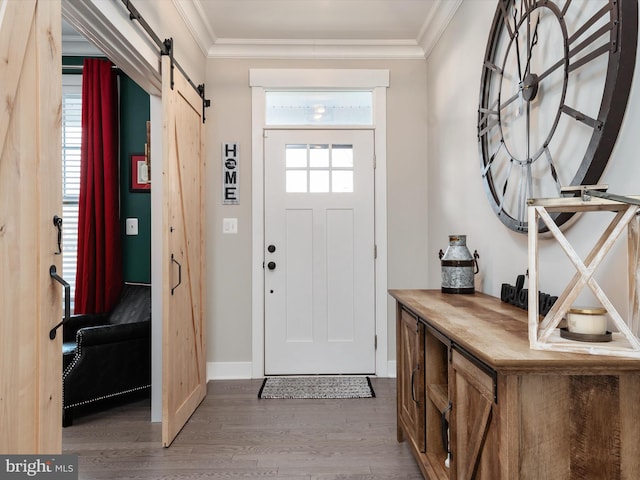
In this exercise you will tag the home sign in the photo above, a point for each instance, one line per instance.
(230, 174)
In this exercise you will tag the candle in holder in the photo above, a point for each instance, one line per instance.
(587, 320)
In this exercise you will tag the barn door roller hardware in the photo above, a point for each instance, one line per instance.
(166, 48)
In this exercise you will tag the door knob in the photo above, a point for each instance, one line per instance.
(271, 265)
(271, 248)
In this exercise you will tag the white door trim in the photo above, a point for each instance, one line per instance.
(261, 80)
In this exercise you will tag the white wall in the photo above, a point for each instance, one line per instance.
(229, 257)
(457, 200)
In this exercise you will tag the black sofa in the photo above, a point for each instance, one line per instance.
(107, 355)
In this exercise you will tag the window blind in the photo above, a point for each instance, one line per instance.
(71, 139)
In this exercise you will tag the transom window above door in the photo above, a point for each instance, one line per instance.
(319, 108)
(319, 168)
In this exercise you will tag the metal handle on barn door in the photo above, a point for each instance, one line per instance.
(57, 221)
(173, 260)
(413, 393)
(444, 424)
(53, 273)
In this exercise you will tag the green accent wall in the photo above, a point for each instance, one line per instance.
(72, 61)
(134, 115)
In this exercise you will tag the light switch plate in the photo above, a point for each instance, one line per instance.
(132, 226)
(229, 225)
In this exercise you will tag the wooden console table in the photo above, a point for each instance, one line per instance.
(464, 362)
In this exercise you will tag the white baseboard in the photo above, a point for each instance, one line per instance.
(228, 370)
(391, 369)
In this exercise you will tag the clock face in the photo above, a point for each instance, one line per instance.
(555, 82)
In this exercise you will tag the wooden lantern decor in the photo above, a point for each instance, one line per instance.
(545, 334)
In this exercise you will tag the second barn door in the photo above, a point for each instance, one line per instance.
(184, 382)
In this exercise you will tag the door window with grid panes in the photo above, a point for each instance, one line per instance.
(326, 168)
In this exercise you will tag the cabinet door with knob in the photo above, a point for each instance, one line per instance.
(411, 379)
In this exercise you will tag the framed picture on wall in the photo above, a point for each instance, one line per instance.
(140, 181)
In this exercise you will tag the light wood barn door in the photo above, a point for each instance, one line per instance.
(184, 363)
(30, 195)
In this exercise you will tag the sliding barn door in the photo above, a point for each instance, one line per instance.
(184, 355)
(30, 196)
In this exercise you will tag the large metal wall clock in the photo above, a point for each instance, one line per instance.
(555, 83)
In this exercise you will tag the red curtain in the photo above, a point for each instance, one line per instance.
(99, 271)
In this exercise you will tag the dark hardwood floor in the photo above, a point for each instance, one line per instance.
(233, 434)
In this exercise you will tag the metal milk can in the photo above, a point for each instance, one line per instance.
(458, 266)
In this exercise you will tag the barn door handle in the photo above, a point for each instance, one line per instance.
(444, 424)
(57, 221)
(413, 393)
(173, 259)
(53, 273)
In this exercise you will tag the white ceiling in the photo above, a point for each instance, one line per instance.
(317, 28)
(314, 28)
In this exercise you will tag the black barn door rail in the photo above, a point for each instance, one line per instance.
(166, 48)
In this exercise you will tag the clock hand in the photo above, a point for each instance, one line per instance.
(520, 77)
(534, 42)
(515, 22)
(528, 131)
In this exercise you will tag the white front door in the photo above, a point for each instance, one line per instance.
(319, 260)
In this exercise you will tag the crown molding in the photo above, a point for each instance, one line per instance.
(195, 19)
(436, 23)
(315, 49)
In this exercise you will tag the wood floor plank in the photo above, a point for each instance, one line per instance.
(235, 435)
